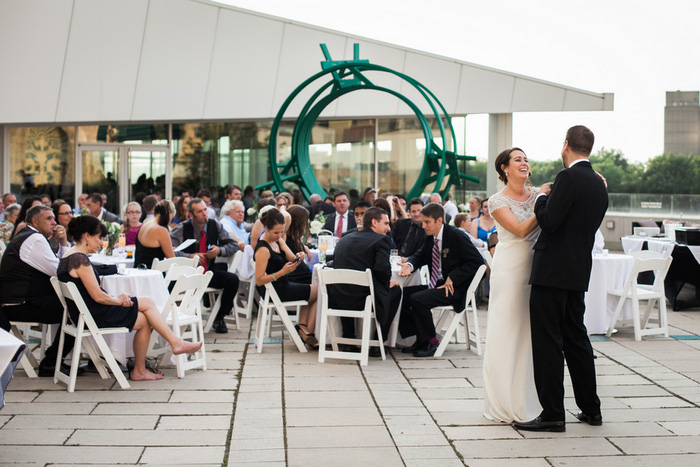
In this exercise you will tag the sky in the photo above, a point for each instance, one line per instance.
(637, 50)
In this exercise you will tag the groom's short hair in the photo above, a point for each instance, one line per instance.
(580, 139)
(434, 210)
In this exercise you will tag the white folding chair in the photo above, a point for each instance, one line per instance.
(644, 261)
(84, 329)
(487, 256)
(448, 321)
(176, 271)
(182, 313)
(271, 302)
(367, 315)
(163, 265)
(23, 331)
(246, 289)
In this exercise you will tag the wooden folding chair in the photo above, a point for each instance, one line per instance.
(644, 261)
(367, 315)
(82, 330)
(448, 321)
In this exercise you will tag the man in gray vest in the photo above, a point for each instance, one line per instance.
(26, 293)
(211, 240)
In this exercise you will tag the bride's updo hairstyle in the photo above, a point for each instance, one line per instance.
(271, 217)
(82, 225)
(504, 159)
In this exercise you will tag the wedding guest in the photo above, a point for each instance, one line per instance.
(316, 205)
(180, 210)
(232, 217)
(258, 228)
(29, 202)
(8, 225)
(450, 208)
(95, 208)
(273, 263)
(63, 214)
(463, 223)
(153, 238)
(484, 225)
(386, 206)
(149, 203)
(132, 224)
(7, 200)
(296, 233)
(474, 204)
(408, 233)
(233, 192)
(136, 313)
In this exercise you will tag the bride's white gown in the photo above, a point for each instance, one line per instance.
(509, 385)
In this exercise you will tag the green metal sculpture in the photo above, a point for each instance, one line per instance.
(439, 166)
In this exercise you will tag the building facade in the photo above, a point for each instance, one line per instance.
(682, 123)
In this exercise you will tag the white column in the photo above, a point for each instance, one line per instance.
(500, 138)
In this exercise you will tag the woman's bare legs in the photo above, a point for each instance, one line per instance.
(307, 314)
(149, 317)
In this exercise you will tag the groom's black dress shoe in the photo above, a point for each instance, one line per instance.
(411, 349)
(593, 420)
(46, 370)
(540, 425)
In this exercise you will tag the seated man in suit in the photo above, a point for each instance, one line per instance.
(342, 219)
(408, 233)
(360, 209)
(367, 248)
(26, 292)
(316, 206)
(453, 261)
(211, 240)
(95, 209)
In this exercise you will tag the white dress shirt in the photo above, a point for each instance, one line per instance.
(37, 253)
(345, 221)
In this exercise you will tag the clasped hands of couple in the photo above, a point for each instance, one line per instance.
(406, 270)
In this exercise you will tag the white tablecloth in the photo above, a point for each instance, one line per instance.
(608, 272)
(631, 243)
(102, 259)
(10, 352)
(393, 338)
(136, 283)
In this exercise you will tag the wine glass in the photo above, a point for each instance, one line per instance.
(105, 244)
(323, 246)
(122, 240)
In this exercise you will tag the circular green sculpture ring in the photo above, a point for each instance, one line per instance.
(348, 76)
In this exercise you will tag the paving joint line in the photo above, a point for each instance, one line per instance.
(239, 377)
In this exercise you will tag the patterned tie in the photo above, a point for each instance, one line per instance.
(339, 230)
(203, 246)
(435, 270)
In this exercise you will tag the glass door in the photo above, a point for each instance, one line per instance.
(147, 171)
(100, 173)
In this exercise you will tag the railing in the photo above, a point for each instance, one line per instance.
(655, 205)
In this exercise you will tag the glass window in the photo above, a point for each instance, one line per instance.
(42, 161)
(101, 175)
(129, 134)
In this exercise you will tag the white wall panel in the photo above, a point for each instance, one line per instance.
(244, 66)
(536, 96)
(574, 100)
(484, 91)
(439, 75)
(175, 61)
(301, 58)
(33, 37)
(102, 59)
(361, 103)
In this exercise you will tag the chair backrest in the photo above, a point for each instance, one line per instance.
(328, 277)
(646, 260)
(176, 271)
(164, 264)
(68, 291)
(186, 294)
(235, 261)
(476, 280)
(487, 256)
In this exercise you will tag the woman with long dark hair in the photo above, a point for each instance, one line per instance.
(20, 222)
(296, 233)
(153, 240)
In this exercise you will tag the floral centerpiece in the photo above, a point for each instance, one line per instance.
(113, 231)
(315, 226)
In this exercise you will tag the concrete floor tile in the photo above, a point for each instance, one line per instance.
(683, 428)
(345, 457)
(340, 383)
(427, 452)
(194, 422)
(256, 432)
(454, 405)
(176, 455)
(338, 437)
(14, 397)
(501, 431)
(252, 456)
(148, 438)
(607, 430)
(440, 383)
(687, 460)
(652, 415)
(90, 422)
(631, 391)
(275, 441)
(654, 402)
(535, 447)
(402, 440)
(425, 363)
(164, 409)
(34, 437)
(101, 396)
(58, 408)
(450, 393)
(456, 462)
(70, 454)
(659, 445)
(322, 370)
(202, 396)
(510, 462)
(313, 417)
(328, 399)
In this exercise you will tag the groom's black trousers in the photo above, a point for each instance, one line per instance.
(558, 332)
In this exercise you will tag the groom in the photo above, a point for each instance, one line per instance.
(569, 216)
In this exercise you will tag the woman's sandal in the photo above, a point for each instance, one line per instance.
(309, 339)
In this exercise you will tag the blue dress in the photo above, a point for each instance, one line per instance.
(484, 234)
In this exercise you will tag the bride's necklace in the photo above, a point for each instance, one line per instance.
(519, 197)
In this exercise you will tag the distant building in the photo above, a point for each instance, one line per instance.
(682, 122)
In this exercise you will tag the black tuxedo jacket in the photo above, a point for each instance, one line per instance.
(330, 222)
(359, 251)
(325, 208)
(460, 260)
(569, 217)
(400, 236)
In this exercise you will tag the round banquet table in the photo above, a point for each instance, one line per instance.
(608, 272)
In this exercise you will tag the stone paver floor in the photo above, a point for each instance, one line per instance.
(282, 407)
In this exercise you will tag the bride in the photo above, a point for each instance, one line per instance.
(509, 385)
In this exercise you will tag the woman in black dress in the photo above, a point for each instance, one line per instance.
(273, 263)
(138, 314)
(297, 231)
(153, 240)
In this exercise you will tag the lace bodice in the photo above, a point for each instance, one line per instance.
(520, 209)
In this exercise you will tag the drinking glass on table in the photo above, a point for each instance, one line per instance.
(105, 244)
(323, 246)
(122, 240)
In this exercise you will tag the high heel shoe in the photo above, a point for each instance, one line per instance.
(309, 339)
